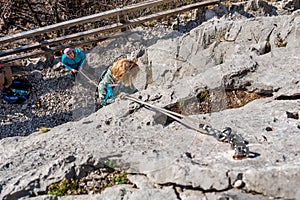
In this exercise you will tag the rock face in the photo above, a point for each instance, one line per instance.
(164, 159)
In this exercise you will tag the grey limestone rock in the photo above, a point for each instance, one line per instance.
(165, 159)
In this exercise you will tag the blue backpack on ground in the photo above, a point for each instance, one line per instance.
(18, 92)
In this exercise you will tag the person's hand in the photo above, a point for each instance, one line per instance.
(80, 68)
(74, 70)
(114, 85)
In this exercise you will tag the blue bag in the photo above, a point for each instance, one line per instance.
(18, 92)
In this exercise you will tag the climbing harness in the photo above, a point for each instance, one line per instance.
(237, 142)
(110, 93)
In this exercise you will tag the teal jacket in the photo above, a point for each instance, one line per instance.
(108, 93)
(76, 62)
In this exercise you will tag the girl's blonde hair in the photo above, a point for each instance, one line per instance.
(124, 70)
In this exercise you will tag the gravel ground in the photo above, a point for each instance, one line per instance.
(53, 87)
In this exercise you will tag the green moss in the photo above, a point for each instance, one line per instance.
(243, 102)
(120, 179)
(283, 44)
(181, 103)
(203, 95)
(64, 188)
(110, 164)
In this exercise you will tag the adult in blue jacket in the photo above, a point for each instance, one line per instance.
(73, 59)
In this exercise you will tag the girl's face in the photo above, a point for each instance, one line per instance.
(70, 55)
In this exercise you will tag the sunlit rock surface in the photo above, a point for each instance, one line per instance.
(164, 159)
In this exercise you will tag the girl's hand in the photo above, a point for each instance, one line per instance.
(114, 85)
